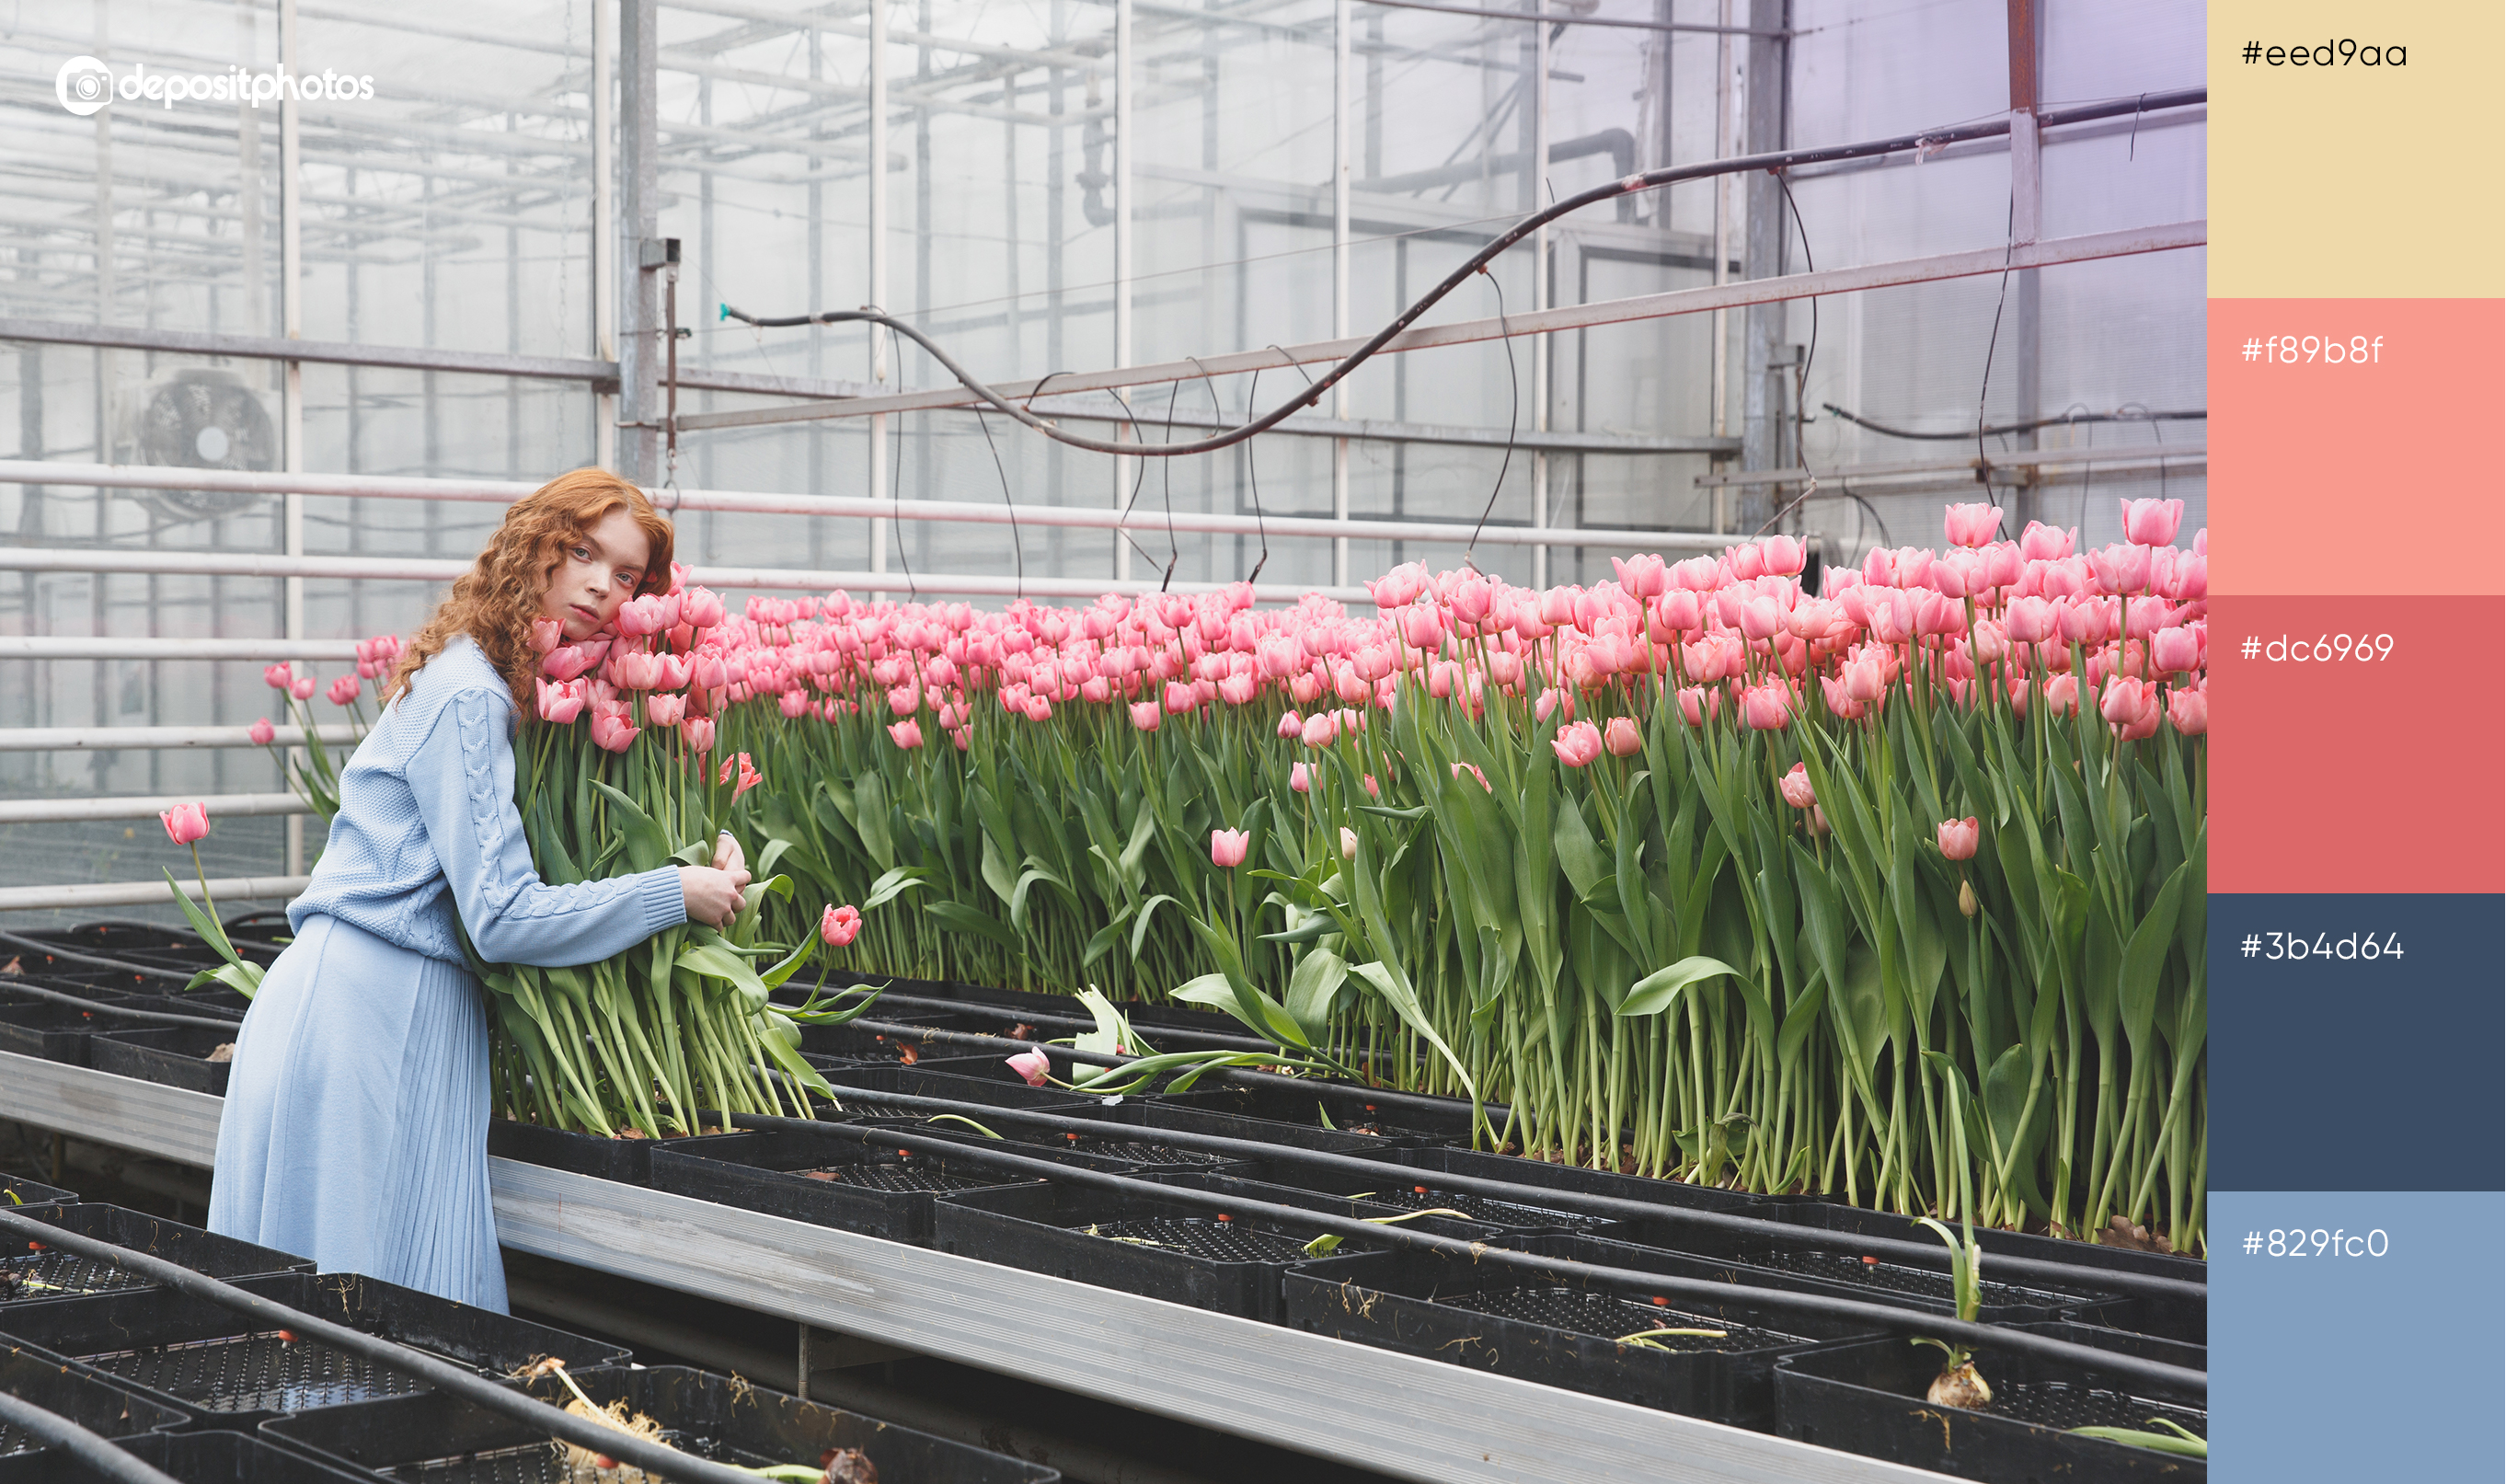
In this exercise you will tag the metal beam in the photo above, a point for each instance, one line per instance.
(158, 739)
(222, 805)
(63, 331)
(1734, 295)
(22, 646)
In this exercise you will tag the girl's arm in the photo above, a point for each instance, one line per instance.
(463, 775)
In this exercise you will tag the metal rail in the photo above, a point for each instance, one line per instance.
(145, 806)
(158, 739)
(1415, 1418)
(149, 893)
(22, 646)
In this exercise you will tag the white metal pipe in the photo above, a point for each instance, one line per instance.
(1339, 272)
(1719, 380)
(878, 485)
(1124, 157)
(291, 298)
(22, 646)
(2026, 177)
(157, 739)
(148, 893)
(1738, 294)
(221, 805)
(604, 227)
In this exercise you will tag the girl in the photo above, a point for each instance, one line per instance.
(356, 1114)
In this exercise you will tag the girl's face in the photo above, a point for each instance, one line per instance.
(596, 572)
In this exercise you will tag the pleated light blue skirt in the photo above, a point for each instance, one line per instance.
(355, 1130)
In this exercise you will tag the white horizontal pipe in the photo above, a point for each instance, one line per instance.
(221, 805)
(973, 512)
(2133, 456)
(224, 889)
(20, 646)
(1736, 294)
(146, 739)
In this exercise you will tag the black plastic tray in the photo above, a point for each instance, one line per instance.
(1564, 1331)
(193, 1457)
(1483, 1219)
(1165, 1249)
(59, 1032)
(69, 1279)
(858, 1086)
(1118, 1150)
(97, 1405)
(1667, 1245)
(627, 1161)
(1862, 1220)
(213, 1363)
(448, 1442)
(1407, 1217)
(1338, 1105)
(177, 1056)
(875, 1191)
(1868, 1398)
(15, 1192)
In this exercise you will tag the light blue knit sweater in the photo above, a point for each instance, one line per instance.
(427, 826)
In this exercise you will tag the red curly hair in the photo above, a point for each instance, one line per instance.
(495, 601)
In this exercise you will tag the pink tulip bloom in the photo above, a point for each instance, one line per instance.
(277, 677)
(1038, 708)
(1373, 791)
(1473, 769)
(1641, 576)
(1146, 715)
(560, 702)
(1865, 677)
(1782, 556)
(2176, 650)
(1796, 787)
(698, 731)
(1766, 707)
(905, 699)
(1696, 704)
(1035, 1066)
(566, 661)
(701, 608)
(837, 927)
(545, 634)
(2031, 620)
(795, 703)
(1550, 700)
(1620, 737)
(1236, 690)
(1971, 525)
(2189, 711)
(1321, 728)
(2084, 622)
(1839, 700)
(2045, 543)
(1291, 725)
(640, 616)
(2063, 695)
(612, 732)
(1760, 617)
(2151, 522)
(186, 822)
(302, 689)
(2190, 581)
(1958, 838)
(906, 735)
(2120, 568)
(1576, 743)
(345, 690)
(262, 732)
(1347, 843)
(1301, 778)
(2124, 700)
(1227, 847)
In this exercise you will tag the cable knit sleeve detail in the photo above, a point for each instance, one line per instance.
(461, 774)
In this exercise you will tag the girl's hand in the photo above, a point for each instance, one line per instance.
(712, 896)
(726, 855)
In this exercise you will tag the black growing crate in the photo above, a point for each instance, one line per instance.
(97, 1405)
(212, 1361)
(874, 1190)
(1868, 1398)
(15, 1193)
(177, 1056)
(1769, 1260)
(66, 1277)
(1145, 1119)
(1137, 1243)
(1516, 1169)
(1402, 1120)
(192, 1458)
(60, 1033)
(443, 1441)
(1862, 1220)
(858, 1085)
(1564, 1330)
(1392, 1190)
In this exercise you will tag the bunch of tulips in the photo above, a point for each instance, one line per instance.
(1893, 889)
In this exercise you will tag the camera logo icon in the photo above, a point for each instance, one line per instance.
(83, 86)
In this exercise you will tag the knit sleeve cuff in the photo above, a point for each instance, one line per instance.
(665, 901)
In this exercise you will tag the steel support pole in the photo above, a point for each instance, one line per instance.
(1725, 94)
(879, 339)
(1339, 272)
(2027, 226)
(1122, 162)
(1539, 103)
(1762, 405)
(605, 226)
(639, 346)
(291, 308)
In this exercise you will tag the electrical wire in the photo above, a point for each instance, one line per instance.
(2066, 419)
(1513, 417)
(1523, 228)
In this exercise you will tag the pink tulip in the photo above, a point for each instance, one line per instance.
(1766, 707)
(612, 732)
(640, 616)
(749, 777)
(302, 689)
(1621, 738)
(2120, 568)
(1550, 700)
(1227, 847)
(795, 703)
(1973, 524)
(1373, 790)
(1473, 769)
(1146, 715)
(906, 735)
(664, 710)
(701, 608)
(837, 927)
(186, 822)
(1035, 1066)
(2045, 543)
(2029, 620)
(2176, 651)
(698, 731)
(1865, 677)
(2190, 581)
(1839, 700)
(1291, 725)
(345, 690)
(905, 699)
(1320, 729)
(1301, 778)
(1576, 743)
(2189, 711)
(1696, 704)
(565, 661)
(1641, 576)
(1782, 556)
(1796, 787)
(1347, 843)
(277, 677)
(560, 702)
(262, 732)
(2151, 522)
(1760, 617)
(2063, 695)
(1958, 838)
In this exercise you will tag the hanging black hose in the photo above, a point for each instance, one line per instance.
(1777, 161)
(123, 1012)
(1902, 1321)
(26, 945)
(452, 1380)
(1928, 1254)
(91, 1451)
(2002, 429)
